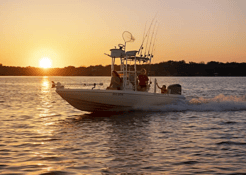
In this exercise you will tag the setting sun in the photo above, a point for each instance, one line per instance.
(45, 63)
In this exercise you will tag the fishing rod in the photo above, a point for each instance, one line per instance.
(153, 47)
(141, 47)
(151, 38)
(148, 63)
(147, 41)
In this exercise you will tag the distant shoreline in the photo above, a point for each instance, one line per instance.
(169, 68)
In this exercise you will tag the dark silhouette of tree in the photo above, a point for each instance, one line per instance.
(169, 68)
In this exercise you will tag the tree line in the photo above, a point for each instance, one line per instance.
(169, 68)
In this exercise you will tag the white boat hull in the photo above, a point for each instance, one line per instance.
(114, 100)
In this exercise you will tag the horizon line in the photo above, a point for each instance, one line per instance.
(201, 62)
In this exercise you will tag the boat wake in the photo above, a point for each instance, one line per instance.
(200, 104)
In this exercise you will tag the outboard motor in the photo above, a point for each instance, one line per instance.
(174, 89)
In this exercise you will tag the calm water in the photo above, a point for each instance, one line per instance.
(43, 134)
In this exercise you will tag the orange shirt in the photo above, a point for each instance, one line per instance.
(163, 91)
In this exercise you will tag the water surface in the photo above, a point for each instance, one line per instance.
(42, 134)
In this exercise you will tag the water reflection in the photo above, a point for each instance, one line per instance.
(45, 97)
(133, 141)
(44, 129)
(129, 143)
(115, 139)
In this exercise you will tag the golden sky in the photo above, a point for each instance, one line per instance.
(79, 32)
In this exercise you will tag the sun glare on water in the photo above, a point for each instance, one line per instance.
(45, 63)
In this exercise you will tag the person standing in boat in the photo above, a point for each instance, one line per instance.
(163, 88)
(115, 82)
(142, 80)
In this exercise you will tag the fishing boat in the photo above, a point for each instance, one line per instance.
(128, 97)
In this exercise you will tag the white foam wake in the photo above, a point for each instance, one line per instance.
(218, 103)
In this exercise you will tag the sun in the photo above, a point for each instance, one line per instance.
(45, 62)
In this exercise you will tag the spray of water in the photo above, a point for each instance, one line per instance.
(218, 103)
